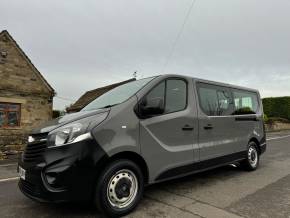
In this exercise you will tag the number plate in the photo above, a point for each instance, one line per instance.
(21, 172)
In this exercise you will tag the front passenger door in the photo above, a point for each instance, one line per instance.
(167, 139)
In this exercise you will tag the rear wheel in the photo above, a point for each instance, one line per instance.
(253, 158)
(119, 188)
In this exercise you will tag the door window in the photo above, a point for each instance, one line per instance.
(224, 102)
(176, 95)
(173, 92)
(208, 101)
(214, 100)
(157, 93)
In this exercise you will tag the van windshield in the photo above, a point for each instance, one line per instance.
(117, 95)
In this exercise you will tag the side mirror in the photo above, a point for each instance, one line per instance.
(150, 107)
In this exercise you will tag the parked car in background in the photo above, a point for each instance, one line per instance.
(140, 133)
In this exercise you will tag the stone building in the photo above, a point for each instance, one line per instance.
(25, 96)
(89, 96)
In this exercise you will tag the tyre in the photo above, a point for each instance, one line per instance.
(119, 188)
(251, 163)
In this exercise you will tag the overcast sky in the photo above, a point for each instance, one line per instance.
(82, 45)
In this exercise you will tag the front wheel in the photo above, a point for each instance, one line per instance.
(253, 158)
(119, 188)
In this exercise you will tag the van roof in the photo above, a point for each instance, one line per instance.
(211, 82)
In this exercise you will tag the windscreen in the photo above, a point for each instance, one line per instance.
(117, 95)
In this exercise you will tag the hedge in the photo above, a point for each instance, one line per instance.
(277, 107)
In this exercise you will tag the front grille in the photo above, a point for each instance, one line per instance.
(34, 150)
(29, 188)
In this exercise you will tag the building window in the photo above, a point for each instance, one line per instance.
(9, 115)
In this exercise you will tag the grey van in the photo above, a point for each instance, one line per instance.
(146, 131)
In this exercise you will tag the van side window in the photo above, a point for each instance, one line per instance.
(215, 100)
(176, 95)
(245, 102)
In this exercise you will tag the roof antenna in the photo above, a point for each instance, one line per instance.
(135, 75)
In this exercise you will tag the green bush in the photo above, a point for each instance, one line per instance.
(266, 118)
(277, 107)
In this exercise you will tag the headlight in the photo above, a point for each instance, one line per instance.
(68, 134)
(74, 132)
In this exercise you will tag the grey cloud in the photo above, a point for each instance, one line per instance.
(81, 45)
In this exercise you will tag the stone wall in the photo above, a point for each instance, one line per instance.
(21, 83)
(277, 126)
(35, 110)
(17, 73)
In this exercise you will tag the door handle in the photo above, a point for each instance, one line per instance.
(209, 126)
(187, 128)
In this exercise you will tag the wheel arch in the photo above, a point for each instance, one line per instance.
(129, 155)
(253, 139)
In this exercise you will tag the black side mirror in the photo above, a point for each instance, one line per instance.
(150, 107)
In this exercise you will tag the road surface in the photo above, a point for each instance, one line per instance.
(224, 192)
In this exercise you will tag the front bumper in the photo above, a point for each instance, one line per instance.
(37, 193)
(263, 148)
(65, 173)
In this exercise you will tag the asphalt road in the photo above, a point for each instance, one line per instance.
(224, 192)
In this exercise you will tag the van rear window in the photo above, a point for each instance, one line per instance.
(217, 100)
(245, 102)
